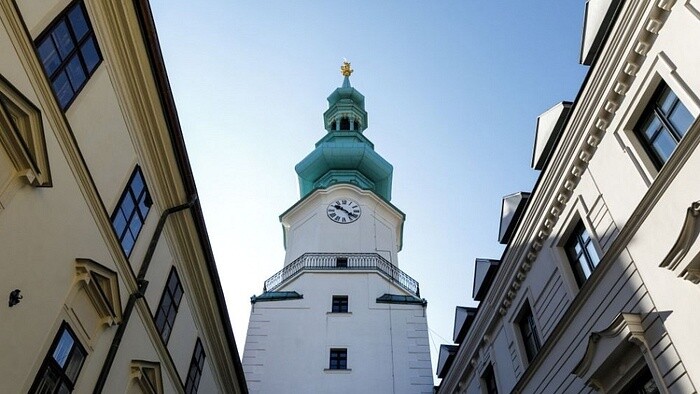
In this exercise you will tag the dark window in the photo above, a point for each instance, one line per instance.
(341, 262)
(62, 364)
(662, 125)
(131, 211)
(581, 253)
(69, 53)
(169, 303)
(489, 380)
(642, 383)
(339, 359)
(340, 304)
(196, 366)
(344, 124)
(528, 331)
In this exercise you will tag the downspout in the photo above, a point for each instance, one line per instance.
(142, 284)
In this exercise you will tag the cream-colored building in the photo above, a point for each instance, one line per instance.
(597, 289)
(109, 276)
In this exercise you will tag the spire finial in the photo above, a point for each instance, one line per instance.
(345, 69)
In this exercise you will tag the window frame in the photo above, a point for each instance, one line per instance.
(128, 192)
(50, 363)
(61, 68)
(488, 378)
(340, 304)
(340, 356)
(194, 373)
(653, 110)
(574, 238)
(526, 320)
(173, 306)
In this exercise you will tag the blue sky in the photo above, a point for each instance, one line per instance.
(452, 88)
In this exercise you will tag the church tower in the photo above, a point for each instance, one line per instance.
(340, 317)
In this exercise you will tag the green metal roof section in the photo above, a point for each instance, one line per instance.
(276, 296)
(345, 155)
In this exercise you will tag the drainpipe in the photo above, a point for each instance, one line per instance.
(142, 284)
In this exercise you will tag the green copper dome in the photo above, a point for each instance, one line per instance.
(345, 155)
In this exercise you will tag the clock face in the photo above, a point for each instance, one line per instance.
(343, 211)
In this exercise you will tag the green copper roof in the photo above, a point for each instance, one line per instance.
(345, 155)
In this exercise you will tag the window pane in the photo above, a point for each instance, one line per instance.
(64, 389)
(143, 207)
(664, 145)
(63, 90)
(135, 225)
(177, 297)
(127, 242)
(48, 382)
(583, 263)
(74, 364)
(137, 184)
(681, 119)
(119, 223)
(592, 253)
(49, 56)
(90, 55)
(65, 344)
(75, 72)
(62, 39)
(666, 100)
(651, 126)
(127, 206)
(77, 21)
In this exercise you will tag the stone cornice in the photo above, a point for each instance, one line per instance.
(604, 89)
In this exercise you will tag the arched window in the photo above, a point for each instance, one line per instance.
(344, 123)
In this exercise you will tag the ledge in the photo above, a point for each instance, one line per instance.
(337, 371)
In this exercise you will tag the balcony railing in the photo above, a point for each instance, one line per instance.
(343, 262)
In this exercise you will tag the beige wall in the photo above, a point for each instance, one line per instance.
(113, 125)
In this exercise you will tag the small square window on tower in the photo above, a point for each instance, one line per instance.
(339, 359)
(341, 262)
(340, 304)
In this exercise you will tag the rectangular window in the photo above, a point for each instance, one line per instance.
(662, 125)
(341, 262)
(131, 211)
(69, 53)
(339, 359)
(528, 331)
(488, 380)
(60, 369)
(581, 253)
(196, 367)
(169, 304)
(340, 304)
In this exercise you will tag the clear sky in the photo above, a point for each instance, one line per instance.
(452, 88)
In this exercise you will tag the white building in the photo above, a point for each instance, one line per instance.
(597, 289)
(340, 316)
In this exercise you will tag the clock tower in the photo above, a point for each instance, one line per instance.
(340, 316)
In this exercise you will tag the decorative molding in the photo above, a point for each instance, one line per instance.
(615, 68)
(622, 343)
(22, 135)
(585, 151)
(147, 376)
(101, 285)
(678, 252)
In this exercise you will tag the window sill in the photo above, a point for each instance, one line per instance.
(339, 313)
(337, 371)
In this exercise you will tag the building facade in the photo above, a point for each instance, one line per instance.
(340, 316)
(597, 288)
(110, 277)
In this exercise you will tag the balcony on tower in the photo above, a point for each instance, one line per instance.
(324, 262)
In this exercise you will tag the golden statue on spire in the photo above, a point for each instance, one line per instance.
(345, 69)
